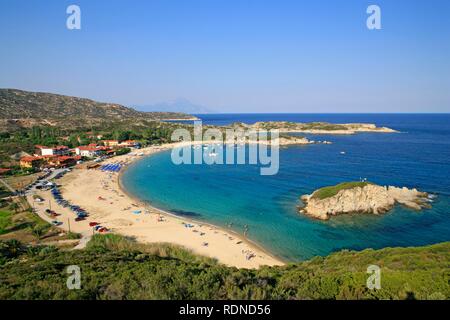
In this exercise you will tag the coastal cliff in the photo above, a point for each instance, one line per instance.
(360, 197)
(286, 140)
(282, 140)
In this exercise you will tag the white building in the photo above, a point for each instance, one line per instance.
(90, 151)
(52, 151)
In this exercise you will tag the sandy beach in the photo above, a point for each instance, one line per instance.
(101, 195)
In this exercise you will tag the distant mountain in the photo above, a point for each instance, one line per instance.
(178, 105)
(24, 109)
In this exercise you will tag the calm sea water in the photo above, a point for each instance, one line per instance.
(419, 157)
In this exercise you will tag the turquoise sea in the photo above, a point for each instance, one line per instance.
(419, 157)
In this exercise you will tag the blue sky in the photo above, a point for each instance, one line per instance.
(234, 56)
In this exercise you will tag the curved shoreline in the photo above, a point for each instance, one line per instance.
(144, 203)
(251, 243)
(108, 203)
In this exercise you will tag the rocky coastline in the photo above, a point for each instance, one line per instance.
(314, 127)
(360, 197)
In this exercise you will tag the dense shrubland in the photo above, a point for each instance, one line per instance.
(114, 267)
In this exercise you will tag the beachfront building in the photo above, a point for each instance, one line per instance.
(61, 161)
(129, 144)
(38, 162)
(31, 162)
(51, 151)
(111, 143)
(91, 151)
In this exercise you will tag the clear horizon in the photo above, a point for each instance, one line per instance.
(234, 57)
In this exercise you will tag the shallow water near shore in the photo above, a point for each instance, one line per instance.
(418, 157)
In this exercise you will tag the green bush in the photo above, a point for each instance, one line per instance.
(73, 236)
(5, 220)
(330, 191)
(122, 151)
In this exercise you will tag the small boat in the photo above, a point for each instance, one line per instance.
(342, 152)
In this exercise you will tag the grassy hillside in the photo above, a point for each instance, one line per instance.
(116, 268)
(17, 222)
(25, 109)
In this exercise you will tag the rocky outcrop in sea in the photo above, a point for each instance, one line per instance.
(370, 198)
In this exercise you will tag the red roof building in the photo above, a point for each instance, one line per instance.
(31, 162)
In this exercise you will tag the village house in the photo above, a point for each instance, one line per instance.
(111, 143)
(91, 135)
(129, 143)
(31, 162)
(62, 161)
(51, 151)
(91, 151)
(48, 161)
